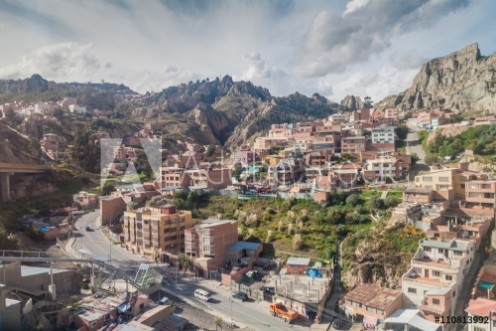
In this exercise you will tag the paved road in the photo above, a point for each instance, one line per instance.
(414, 146)
(250, 314)
(96, 242)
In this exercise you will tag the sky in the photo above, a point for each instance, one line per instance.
(334, 48)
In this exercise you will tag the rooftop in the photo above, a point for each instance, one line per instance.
(481, 307)
(303, 261)
(412, 317)
(456, 245)
(27, 271)
(249, 246)
(373, 296)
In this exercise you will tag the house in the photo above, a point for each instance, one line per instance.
(207, 243)
(245, 156)
(85, 199)
(297, 265)
(482, 312)
(372, 304)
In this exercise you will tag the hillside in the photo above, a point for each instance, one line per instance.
(226, 112)
(463, 81)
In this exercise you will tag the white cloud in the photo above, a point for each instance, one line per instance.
(332, 48)
(60, 62)
(353, 5)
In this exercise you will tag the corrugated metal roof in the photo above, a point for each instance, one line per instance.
(298, 261)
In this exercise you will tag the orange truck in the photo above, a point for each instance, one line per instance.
(281, 311)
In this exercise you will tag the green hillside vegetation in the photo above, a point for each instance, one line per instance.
(299, 227)
(481, 139)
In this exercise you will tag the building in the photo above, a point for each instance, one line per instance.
(391, 113)
(481, 310)
(353, 145)
(207, 243)
(297, 265)
(77, 109)
(156, 231)
(10, 311)
(481, 193)
(434, 281)
(245, 156)
(383, 135)
(85, 199)
(410, 320)
(111, 208)
(372, 304)
(286, 172)
(38, 280)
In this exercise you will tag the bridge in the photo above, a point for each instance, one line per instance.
(41, 257)
(10, 169)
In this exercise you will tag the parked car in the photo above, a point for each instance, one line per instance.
(88, 228)
(164, 301)
(202, 295)
(241, 296)
(337, 324)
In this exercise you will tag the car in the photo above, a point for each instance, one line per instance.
(241, 296)
(88, 228)
(164, 301)
(337, 324)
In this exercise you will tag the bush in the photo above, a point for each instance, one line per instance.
(391, 202)
(353, 200)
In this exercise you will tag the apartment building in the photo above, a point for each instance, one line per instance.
(383, 135)
(245, 156)
(286, 172)
(434, 281)
(155, 231)
(207, 243)
(384, 169)
(209, 178)
(353, 145)
(481, 193)
(449, 183)
(392, 113)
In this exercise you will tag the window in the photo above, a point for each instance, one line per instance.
(449, 277)
(454, 294)
(412, 290)
(436, 302)
(444, 179)
(93, 324)
(436, 273)
(427, 179)
(427, 249)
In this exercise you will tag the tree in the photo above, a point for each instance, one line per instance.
(376, 202)
(218, 322)
(353, 200)
(35, 147)
(391, 202)
(401, 131)
(210, 151)
(431, 159)
(367, 102)
(238, 169)
(58, 113)
(108, 187)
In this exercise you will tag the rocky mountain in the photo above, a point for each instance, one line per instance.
(352, 102)
(225, 112)
(463, 81)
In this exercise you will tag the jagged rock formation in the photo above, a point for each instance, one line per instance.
(352, 102)
(461, 81)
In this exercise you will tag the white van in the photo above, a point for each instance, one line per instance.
(202, 295)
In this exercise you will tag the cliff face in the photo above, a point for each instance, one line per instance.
(461, 81)
(352, 102)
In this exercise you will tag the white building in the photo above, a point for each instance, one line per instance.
(434, 281)
(77, 109)
(383, 135)
(481, 310)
